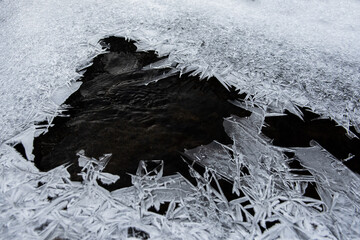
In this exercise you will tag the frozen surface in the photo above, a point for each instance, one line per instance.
(269, 202)
(281, 53)
(278, 52)
(273, 188)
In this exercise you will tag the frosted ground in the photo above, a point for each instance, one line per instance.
(283, 54)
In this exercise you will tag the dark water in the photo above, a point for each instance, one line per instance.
(291, 131)
(114, 112)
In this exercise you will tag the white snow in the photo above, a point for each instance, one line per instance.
(279, 52)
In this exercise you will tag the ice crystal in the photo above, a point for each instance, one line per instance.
(279, 54)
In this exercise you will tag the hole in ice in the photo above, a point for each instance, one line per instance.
(162, 208)
(290, 155)
(267, 225)
(270, 224)
(119, 110)
(247, 205)
(40, 184)
(310, 191)
(290, 131)
(296, 168)
(137, 233)
(20, 149)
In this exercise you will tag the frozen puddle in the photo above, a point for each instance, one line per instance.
(136, 111)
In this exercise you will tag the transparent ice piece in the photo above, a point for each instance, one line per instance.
(92, 169)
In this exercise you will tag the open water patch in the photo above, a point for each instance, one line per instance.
(141, 113)
(291, 131)
(119, 109)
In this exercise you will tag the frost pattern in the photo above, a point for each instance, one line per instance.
(281, 54)
(46, 205)
(249, 44)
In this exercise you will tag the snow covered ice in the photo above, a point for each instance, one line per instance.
(282, 54)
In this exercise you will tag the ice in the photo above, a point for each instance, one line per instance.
(267, 193)
(62, 93)
(276, 193)
(26, 138)
(152, 189)
(251, 45)
(281, 54)
(92, 169)
(337, 186)
(329, 171)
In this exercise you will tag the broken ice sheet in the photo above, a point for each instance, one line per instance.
(92, 169)
(258, 170)
(248, 153)
(193, 211)
(330, 172)
(26, 138)
(338, 187)
(150, 169)
(62, 93)
(153, 189)
(216, 156)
